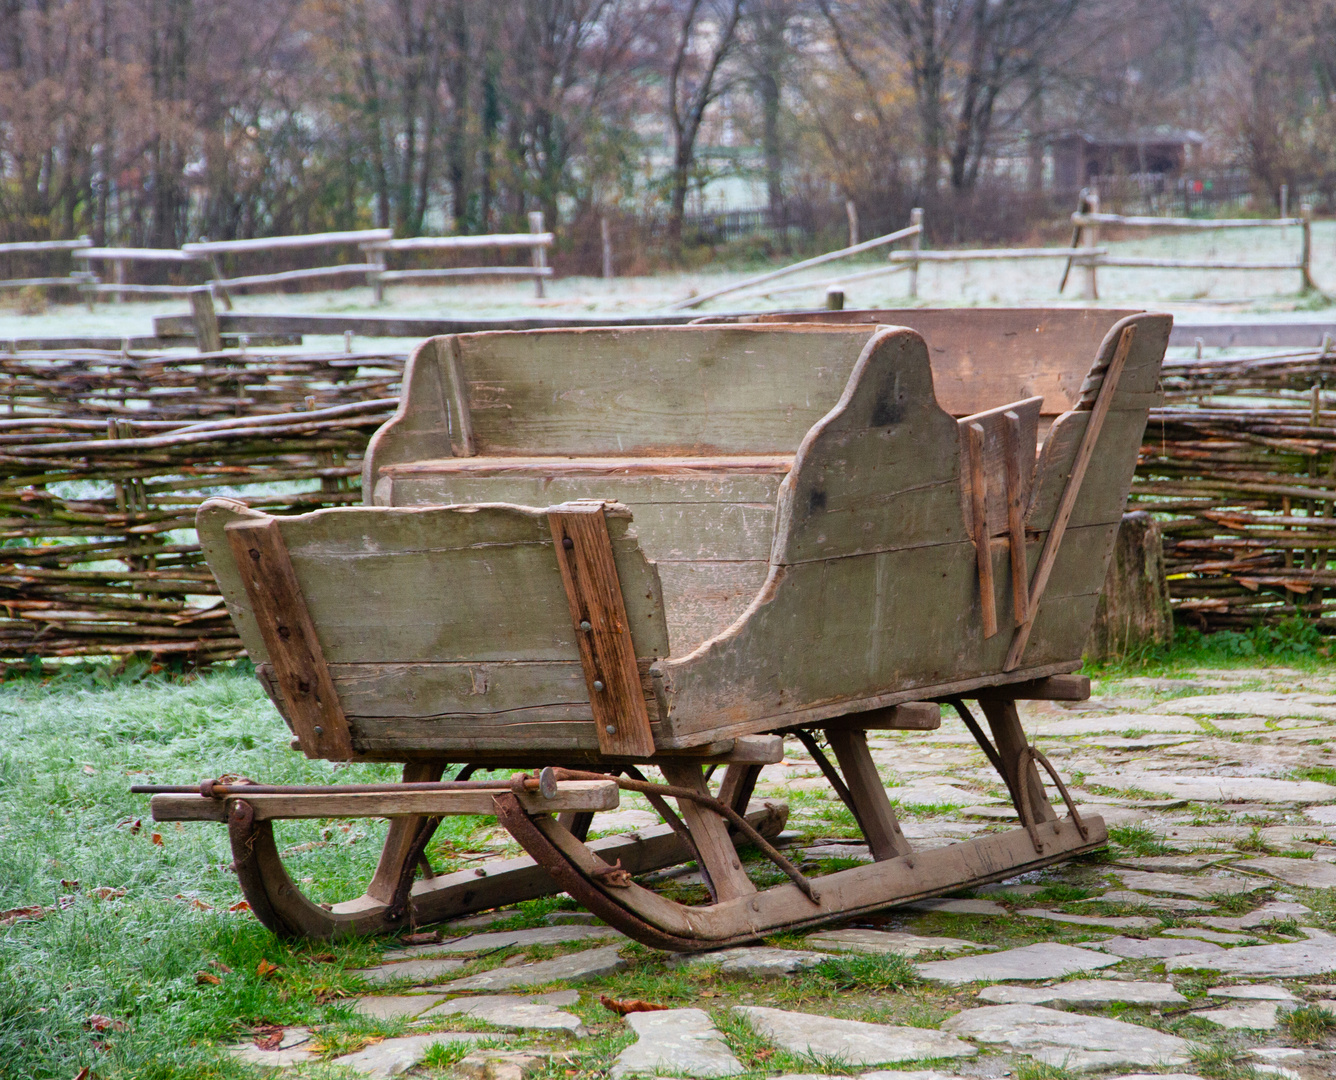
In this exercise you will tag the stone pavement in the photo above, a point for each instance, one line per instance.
(1181, 954)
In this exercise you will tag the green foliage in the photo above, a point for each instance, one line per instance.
(1291, 639)
(1310, 1024)
(866, 971)
(1140, 839)
(1029, 1069)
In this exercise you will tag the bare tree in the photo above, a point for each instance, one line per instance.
(705, 34)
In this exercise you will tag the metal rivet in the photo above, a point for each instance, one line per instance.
(598, 684)
(610, 730)
(585, 625)
(567, 543)
(319, 730)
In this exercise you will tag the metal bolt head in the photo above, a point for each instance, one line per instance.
(319, 730)
(598, 684)
(610, 730)
(585, 625)
(567, 543)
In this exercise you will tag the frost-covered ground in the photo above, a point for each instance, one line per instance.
(1222, 294)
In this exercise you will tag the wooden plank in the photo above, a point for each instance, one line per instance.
(1020, 470)
(984, 357)
(584, 554)
(461, 423)
(710, 833)
(550, 468)
(1009, 738)
(467, 271)
(399, 839)
(653, 391)
(397, 326)
(287, 243)
(1053, 688)
(464, 243)
(911, 716)
(421, 426)
(864, 479)
(305, 274)
(290, 639)
(881, 828)
(1053, 541)
(995, 460)
(982, 540)
(571, 795)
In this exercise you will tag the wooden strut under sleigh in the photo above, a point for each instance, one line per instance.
(905, 557)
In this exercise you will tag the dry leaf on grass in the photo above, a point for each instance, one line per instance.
(325, 958)
(621, 1008)
(82, 1074)
(266, 970)
(13, 915)
(157, 838)
(240, 905)
(99, 1023)
(106, 892)
(68, 884)
(205, 978)
(218, 965)
(269, 1037)
(427, 937)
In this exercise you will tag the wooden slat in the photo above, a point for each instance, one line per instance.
(399, 839)
(982, 541)
(1020, 463)
(911, 716)
(462, 433)
(1053, 542)
(1053, 688)
(710, 833)
(553, 467)
(1009, 738)
(584, 555)
(881, 828)
(571, 795)
(290, 639)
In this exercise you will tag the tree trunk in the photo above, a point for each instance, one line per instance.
(1133, 611)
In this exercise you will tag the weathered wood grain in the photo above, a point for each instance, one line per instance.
(995, 459)
(875, 814)
(710, 834)
(421, 426)
(583, 552)
(290, 639)
(978, 484)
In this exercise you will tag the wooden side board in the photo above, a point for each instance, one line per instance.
(981, 358)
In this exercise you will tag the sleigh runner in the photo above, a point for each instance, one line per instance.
(592, 551)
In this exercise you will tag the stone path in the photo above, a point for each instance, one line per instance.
(1209, 922)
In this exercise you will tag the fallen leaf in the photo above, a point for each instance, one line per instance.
(99, 1023)
(138, 824)
(106, 892)
(89, 770)
(196, 904)
(764, 1053)
(82, 1074)
(621, 1008)
(240, 905)
(709, 993)
(266, 970)
(325, 994)
(13, 915)
(325, 958)
(269, 1037)
(218, 965)
(68, 884)
(66, 902)
(205, 978)
(427, 937)
(157, 838)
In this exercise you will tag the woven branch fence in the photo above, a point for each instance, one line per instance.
(1240, 467)
(104, 458)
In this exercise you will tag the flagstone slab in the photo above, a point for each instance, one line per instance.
(1219, 788)
(1045, 960)
(294, 1048)
(1252, 992)
(751, 961)
(1255, 703)
(1216, 936)
(417, 971)
(675, 1042)
(573, 967)
(1324, 815)
(394, 1056)
(948, 906)
(1249, 1016)
(1114, 724)
(514, 1012)
(920, 794)
(1116, 922)
(1194, 887)
(1168, 903)
(1071, 1040)
(1173, 864)
(851, 1041)
(1273, 911)
(886, 941)
(506, 939)
(1085, 992)
(1130, 948)
(1306, 873)
(395, 1006)
(1292, 960)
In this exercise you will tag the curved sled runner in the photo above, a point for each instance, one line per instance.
(589, 552)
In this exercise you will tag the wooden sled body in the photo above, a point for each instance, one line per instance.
(589, 551)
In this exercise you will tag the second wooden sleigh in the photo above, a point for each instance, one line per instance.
(594, 554)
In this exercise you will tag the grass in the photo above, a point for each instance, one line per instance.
(878, 972)
(1310, 1024)
(1139, 839)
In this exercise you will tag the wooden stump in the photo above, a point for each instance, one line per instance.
(1134, 605)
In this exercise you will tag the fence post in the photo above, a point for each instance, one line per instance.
(851, 212)
(207, 337)
(835, 299)
(915, 246)
(217, 272)
(1284, 200)
(119, 274)
(1090, 239)
(375, 266)
(1306, 283)
(539, 253)
(605, 231)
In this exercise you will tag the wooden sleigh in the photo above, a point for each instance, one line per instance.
(586, 552)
